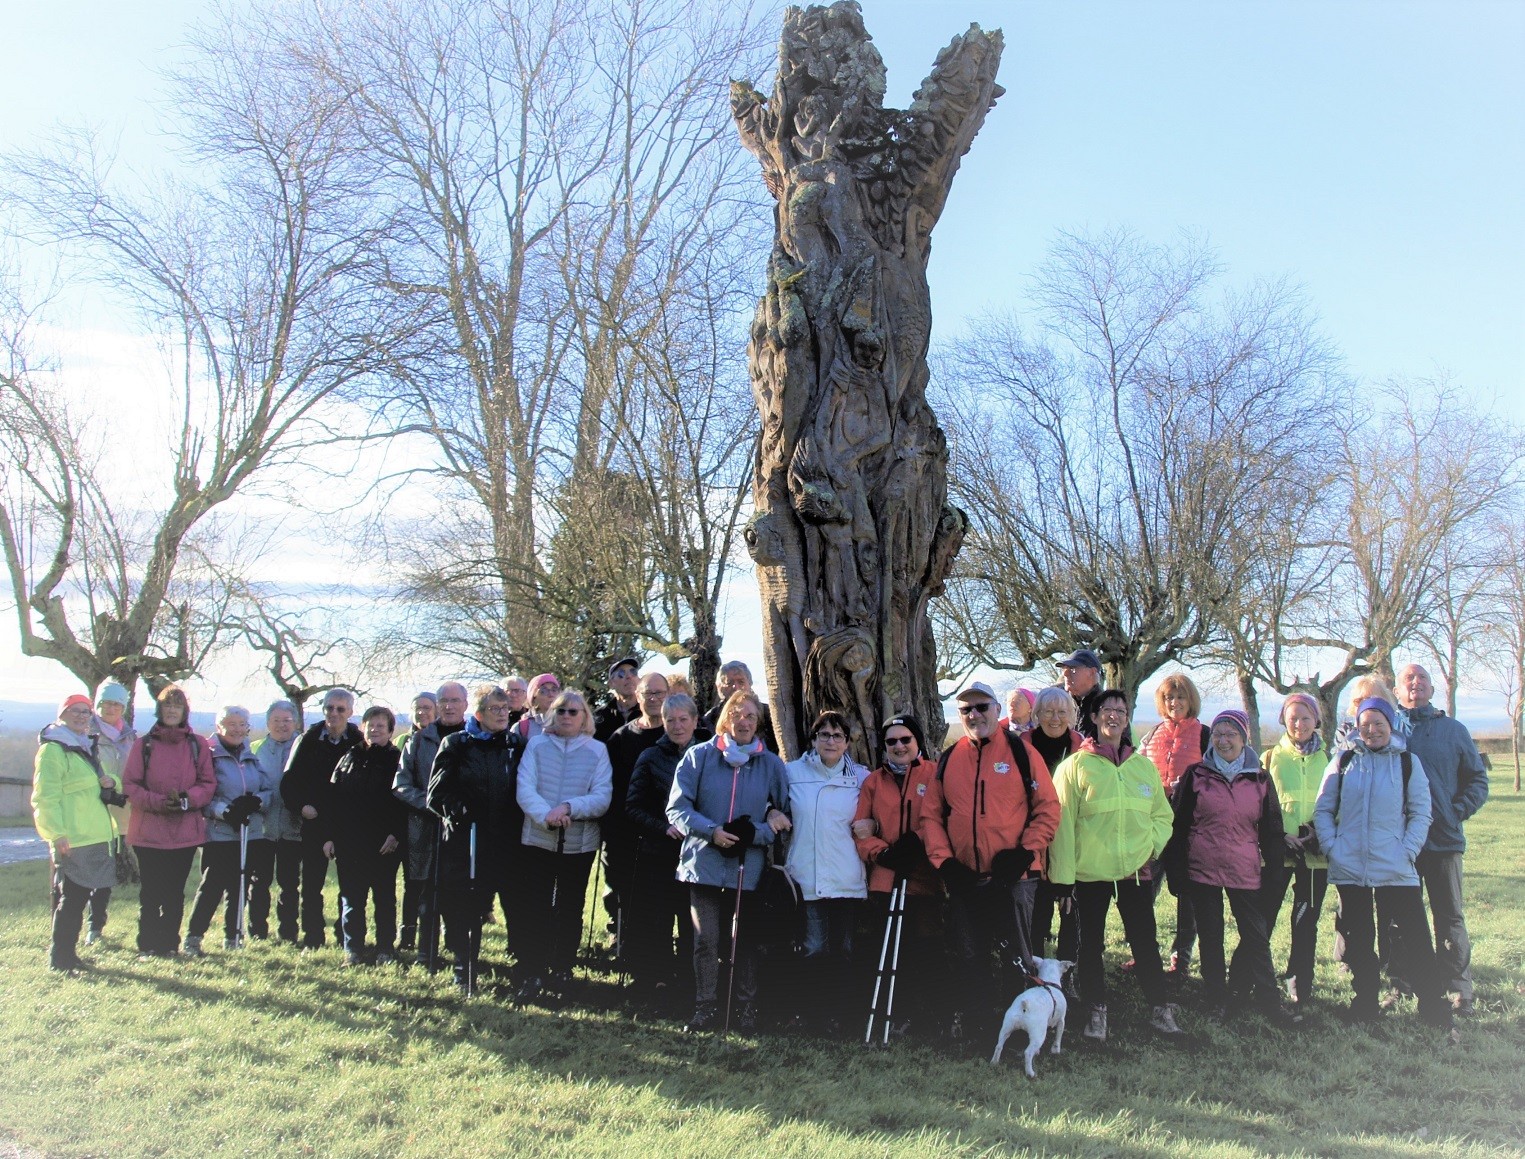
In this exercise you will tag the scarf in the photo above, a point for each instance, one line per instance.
(474, 729)
(1229, 769)
(897, 771)
(735, 753)
(1308, 747)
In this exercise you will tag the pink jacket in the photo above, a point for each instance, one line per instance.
(1174, 746)
(179, 761)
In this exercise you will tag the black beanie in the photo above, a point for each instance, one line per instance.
(910, 723)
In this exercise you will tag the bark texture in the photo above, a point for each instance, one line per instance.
(852, 533)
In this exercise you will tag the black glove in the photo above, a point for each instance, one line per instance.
(743, 830)
(957, 876)
(1309, 838)
(906, 855)
(237, 813)
(251, 805)
(110, 796)
(1009, 865)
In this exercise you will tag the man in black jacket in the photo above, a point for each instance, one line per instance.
(419, 899)
(619, 706)
(307, 791)
(1080, 672)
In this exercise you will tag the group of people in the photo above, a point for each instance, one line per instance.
(719, 858)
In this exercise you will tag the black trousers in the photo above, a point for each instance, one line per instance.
(68, 917)
(1045, 902)
(1251, 969)
(1400, 907)
(372, 875)
(288, 887)
(220, 879)
(989, 926)
(161, 898)
(656, 903)
(314, 877)
(1308, 889)
(555, 885)
(1135, 905)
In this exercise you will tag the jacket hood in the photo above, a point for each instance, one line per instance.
(1397, 744)
(61, 734)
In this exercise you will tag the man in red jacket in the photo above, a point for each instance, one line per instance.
(988, 818)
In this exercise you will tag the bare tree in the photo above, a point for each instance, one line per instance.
(1126, 465)
(1504, 628)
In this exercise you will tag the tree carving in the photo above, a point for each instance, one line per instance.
(852, 533)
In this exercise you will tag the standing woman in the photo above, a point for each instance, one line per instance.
(885, 825)
(283, 828)
(1297, 763)
(537, 718)
(236, 811)
(1055, 738)
(823, 861)
(724, 794)
(69, 798)
(169, 781)
(114, 738)
(1114, 820)
(565, 785)
(1227, 826)
(1177, 743)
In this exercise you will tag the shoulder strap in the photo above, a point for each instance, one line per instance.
(1024, 766)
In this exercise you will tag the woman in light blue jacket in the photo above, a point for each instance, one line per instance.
(1372, 818)
(726, 800)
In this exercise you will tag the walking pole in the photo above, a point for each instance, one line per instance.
(243, 879)
(899, 918)
(431, 943)
(473, 945)
(598, 878)
(884, 956)
(730, 984)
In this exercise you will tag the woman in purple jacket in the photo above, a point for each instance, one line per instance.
(1227, 827)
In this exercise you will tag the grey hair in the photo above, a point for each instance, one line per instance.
(233, 712)
(1054, 694)
(344, 694)
(482, 694)
(278, 705)
(733, 666)
(680, 702)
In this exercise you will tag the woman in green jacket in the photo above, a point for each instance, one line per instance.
(1296, 764)
(69, 798)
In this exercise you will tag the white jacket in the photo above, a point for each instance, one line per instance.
(823, 859)
(557, 769)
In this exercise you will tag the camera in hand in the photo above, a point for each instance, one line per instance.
(110, 796)
(185, 803)
(1309, 838)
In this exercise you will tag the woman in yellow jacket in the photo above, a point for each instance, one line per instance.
(69, 798)
(1114, 819)
(1297, 763)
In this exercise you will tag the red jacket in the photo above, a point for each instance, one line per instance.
(179, 761)
(978, 806)
(1174, 746)
(896, 806)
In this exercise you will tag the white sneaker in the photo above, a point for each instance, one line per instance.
(1096, 1026)
(92, 936)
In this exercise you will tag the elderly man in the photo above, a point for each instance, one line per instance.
(987, 821)
(420, 905)
(620, 706)
(1458, 788)
(283, 828)
(518, 690)
(733, 677)
(307, 790)
(1080, 673)
(625, 746)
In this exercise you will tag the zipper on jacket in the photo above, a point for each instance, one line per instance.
(979, 792)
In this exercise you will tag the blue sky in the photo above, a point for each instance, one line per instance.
(1373, 153)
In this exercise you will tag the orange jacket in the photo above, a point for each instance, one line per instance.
(978, 806)
(896, 806)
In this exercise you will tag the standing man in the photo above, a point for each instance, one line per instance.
(620, 706)
(1080, 673)
(307, 791)
(420, 903)
(518, 690)
(734, 676)
(625, 747)
(1458, 788)
(987, 821)
(283, 827)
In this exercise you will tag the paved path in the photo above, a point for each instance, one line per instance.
(21, 845)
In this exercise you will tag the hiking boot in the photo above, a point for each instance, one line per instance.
(1096, 1024)
(1163, 1019)
(353, 959)
(529, 991)
(92, 936)
(192, 946)
(383, 958)
(1464, 1007)
(746, 1019)
(231, 943)
(704, 1018)
(407, 938)
(1180, 965)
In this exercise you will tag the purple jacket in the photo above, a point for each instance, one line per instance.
(1225, 830)
(179, 761)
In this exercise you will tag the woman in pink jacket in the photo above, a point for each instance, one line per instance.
(168, 779)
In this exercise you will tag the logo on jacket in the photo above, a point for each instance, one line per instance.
(1146, 790)
(921, 790)
(1002, 767)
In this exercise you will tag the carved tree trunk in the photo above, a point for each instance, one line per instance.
(852, 534)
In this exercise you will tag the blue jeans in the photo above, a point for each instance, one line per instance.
(829, 924)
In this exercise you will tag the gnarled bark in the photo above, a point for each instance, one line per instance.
(852, 534)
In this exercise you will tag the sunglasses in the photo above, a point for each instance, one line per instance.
(565, 711)
(898, 741)
(975, 709)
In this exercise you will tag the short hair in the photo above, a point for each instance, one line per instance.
(831, 717)
(431, 697)
(732, 706)
(680, 702)
(735, 666)
(1181, 683)
(233, 712)
(343, 694)
(381, 710)
(1365, 687)
(482, 693)
(1111, 694)
(567, 696)
(515, 679)
(1054, 694)
(281, 706)
(654, 676)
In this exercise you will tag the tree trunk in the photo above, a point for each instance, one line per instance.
(1251, 701)
(704, 661)
(852, 535)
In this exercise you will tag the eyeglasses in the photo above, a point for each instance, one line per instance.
(1112, 712)
(830, 736)
(898, 741)
(564, 710)
(328, 708)
(975, 709)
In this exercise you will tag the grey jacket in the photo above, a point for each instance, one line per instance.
(411, 786)
(280, 823)
(237, 772)
(700, 802)
(1458, 780)
(1368, 827)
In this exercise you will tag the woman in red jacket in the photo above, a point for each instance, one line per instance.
(1177, 743)
(169, 780)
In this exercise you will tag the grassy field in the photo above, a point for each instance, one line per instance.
(268, 1052)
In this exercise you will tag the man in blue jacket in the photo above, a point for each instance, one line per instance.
(1458, 788)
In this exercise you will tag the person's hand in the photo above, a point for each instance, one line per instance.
(309, 813)
(1064, 898)
(1009, 865)
(778, 821)
(957, 876)
(864, 828)
(744, 831)
(328, 850)
(1294, 843)
(721, 839)
(390, 844)
(107, 782)
(675, 833)
(905, 856)
(61, 845)
(559, 817)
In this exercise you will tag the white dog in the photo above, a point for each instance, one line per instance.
(1036, 1010)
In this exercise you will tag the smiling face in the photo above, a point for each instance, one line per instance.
(452, 704)
(732, 680)
(1053, 720)
(336, 712)
(172, 711)
(1415, 689)
(1177, 704)
(424, 712)
(1300, 723)
(1374, 729)
(112, 712)
(378, 731)
(1228, 741)
(830, 743)
(900, 745)
(744, 722)
(1111, 718)
(280, 724)
(233, 730)
(651, 692)
(77, 718)
(978, 713)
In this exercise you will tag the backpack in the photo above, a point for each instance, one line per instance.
(1024, 767)
(1405, 760)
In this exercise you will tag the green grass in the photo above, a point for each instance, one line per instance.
(268, 1052)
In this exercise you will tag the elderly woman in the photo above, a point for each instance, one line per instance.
(537, 718)
(1020, 703)
(364, 834)
(1177, 743)
(724, 795)
(230, 867)
(69, 798)
(734, 677)
(1055, 737)
(1296, 764)
(823, 861)
(169, 781)
(565, 785)
(1227, 826)
(1372, 819)
(1114, 821)
(114, 738)
(283, 829)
